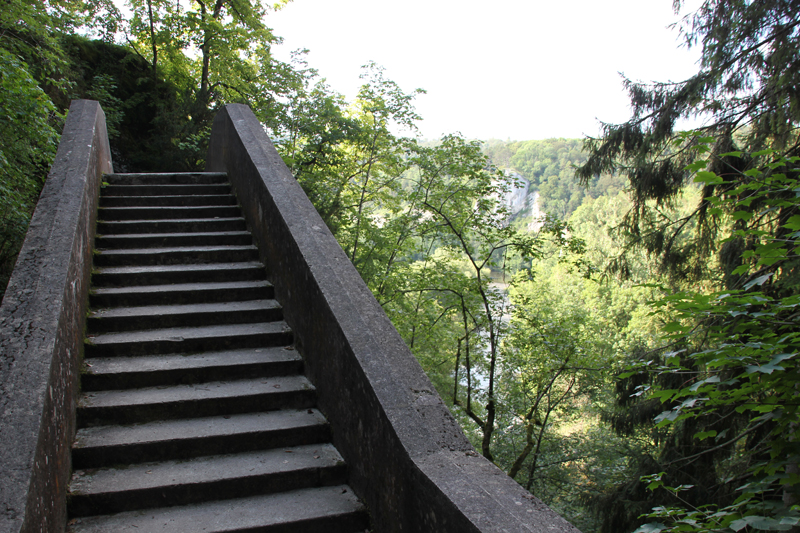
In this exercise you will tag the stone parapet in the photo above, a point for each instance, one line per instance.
(409, 460)
(42, 327)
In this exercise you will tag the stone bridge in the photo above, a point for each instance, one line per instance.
(202, 356)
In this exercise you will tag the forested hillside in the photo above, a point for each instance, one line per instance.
(631, 360)
(549, 166)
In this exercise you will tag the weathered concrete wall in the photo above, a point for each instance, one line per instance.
(409, 461)
(41, 330)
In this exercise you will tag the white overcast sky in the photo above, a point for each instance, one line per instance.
(494, 69)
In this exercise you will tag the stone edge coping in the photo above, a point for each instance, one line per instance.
(42, 327)
(408, 459)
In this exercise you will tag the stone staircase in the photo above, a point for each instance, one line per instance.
(195, 414)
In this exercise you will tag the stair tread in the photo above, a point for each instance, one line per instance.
(206, 469)
(169, 249)
(139, 269)
(162, 431)
(255, 513)
(144, 175)
(181, 309)
(162, 186)
(193, 392)
(167, 199)
(169, 209)
(182, 287)
(155, 363)
(169, 220)
(122, 190)
(177, 235)
(180, 334)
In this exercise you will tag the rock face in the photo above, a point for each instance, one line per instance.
(517, 197)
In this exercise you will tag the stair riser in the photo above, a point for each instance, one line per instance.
(155, 201)
(119, 242)
(160, 347)
(171, 226)
(132, 380)
(88, 505)
(180, 178)
(98, 457)
(176, 257)
(100, 279)
(166, 213)
(165, 190)
(135, 414)
(181, 297)
(103, 325)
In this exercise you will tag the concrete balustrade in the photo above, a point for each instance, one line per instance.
(41, 330)
(409, 461)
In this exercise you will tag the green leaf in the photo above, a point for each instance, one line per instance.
(712, 379)
(709, 178)
(758, 281)
(653, 527)
(764, 369)
(702, 435)
(781, 357)
(697, 165)
(763, 523)
(793, 223)
(666, 417)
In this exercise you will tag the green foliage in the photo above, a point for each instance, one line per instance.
(549, 166)
(28, 142)
(723, 445)
(737, 358)
(746, 90)
(30, 59)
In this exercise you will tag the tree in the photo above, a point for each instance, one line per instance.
(731, 261)
(214, 53)
(746, 93)
(737, 385)
(31, 59)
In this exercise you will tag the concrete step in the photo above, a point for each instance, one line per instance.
(165, 178)
(188, 340)
(185, 315)
(162, 274)
(118, 227)
(194, 413)
(162, 440)
(117, 373)
(167, 213)
(318, 510)
(162, 240)
(174, 200)
(176, 255)
(156, 189)
(183, 482)
(215, 398)
(183, 293)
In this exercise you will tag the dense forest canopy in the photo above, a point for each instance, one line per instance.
(629, 358)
